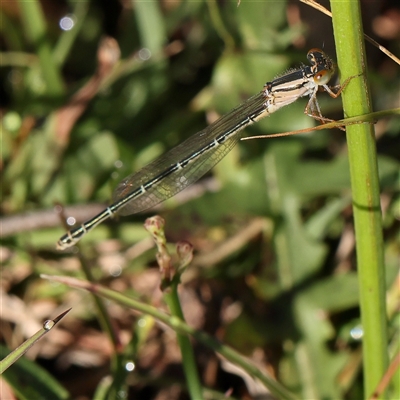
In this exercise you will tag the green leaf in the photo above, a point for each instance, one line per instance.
(30, 381)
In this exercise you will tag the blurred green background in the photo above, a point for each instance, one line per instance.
(93, 90)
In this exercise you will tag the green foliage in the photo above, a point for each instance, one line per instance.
(30, 381)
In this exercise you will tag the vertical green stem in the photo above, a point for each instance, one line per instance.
(107, 326)
(188, 360)
(365, 189)
(170, 279)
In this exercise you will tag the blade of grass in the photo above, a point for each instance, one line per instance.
(106, 323)
(371, 118)
(67, 39)
(348, 31)
(219, 25)
(28, 380)
(150, 24)
(383, 49)
(181, 327)
(24, 347)
(36, 30)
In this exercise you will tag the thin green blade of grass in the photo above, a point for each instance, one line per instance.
(24, 347)
(179, 326)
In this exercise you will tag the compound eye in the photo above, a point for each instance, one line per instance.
(323, 77)
(313, 54)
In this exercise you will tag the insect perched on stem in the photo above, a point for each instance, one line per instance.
(190, 160)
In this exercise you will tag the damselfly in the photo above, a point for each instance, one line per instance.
(190, 160)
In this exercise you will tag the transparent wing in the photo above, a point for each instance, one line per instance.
(195, 162)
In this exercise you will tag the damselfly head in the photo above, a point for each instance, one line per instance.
(65, 242)
(321, 65)
(318, 58)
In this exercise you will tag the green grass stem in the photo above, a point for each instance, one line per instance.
(351, 58)
(180, 327)
(188, 359)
